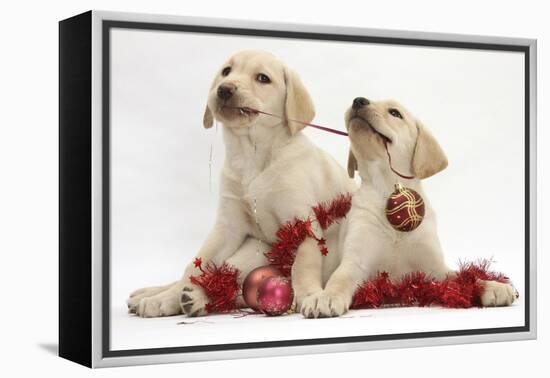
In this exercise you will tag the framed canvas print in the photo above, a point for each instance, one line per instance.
(232, 189)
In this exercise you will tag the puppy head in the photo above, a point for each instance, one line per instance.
(257, 80)
(370, 124)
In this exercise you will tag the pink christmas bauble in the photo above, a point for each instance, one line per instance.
(275, 295)
(253, 282)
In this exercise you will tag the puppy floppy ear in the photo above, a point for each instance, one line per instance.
(298, 103)
(208, 118)
(352, 164)
(428, 158)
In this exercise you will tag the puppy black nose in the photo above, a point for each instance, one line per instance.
(359, 102)
(225, 91)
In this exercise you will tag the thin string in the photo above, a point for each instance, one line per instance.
(255, 199)
(210, 168)
(391, 167)
(211, 156)
(334, 131)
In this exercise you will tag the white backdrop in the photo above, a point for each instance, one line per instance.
(29, 197)
(163, 204)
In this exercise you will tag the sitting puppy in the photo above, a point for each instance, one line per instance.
(272, 173)
(368, 243)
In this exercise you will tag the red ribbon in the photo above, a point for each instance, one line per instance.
(334, 131)
(391, 167)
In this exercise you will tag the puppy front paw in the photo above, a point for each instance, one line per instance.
(308, 306)
(324, 305)
(193, 301)
(497, 294)
(165, 303)
(137, 295)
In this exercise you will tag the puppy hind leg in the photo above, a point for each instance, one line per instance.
(497, 294)
(248, 257)
(494, 293)
(427, 257)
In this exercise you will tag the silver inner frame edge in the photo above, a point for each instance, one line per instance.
(99, 361)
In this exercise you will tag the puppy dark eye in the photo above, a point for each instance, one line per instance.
(226, 71)
(395, 113)
(263, 78)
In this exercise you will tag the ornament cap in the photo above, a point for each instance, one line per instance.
(398, 187)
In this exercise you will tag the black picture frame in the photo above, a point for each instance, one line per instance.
(76, 100)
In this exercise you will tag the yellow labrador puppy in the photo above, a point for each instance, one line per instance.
(271, 174)
(368, 243)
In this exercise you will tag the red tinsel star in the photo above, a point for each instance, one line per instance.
(197, 262)
(322, 243)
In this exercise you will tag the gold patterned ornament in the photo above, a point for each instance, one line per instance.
(405, 209)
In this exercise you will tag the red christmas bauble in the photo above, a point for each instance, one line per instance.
(405, 209)
(253, 282)
(275, 295)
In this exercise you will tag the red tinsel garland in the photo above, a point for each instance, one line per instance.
(328, 213)
(220, 285)
(291, 234)
(462, 290)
